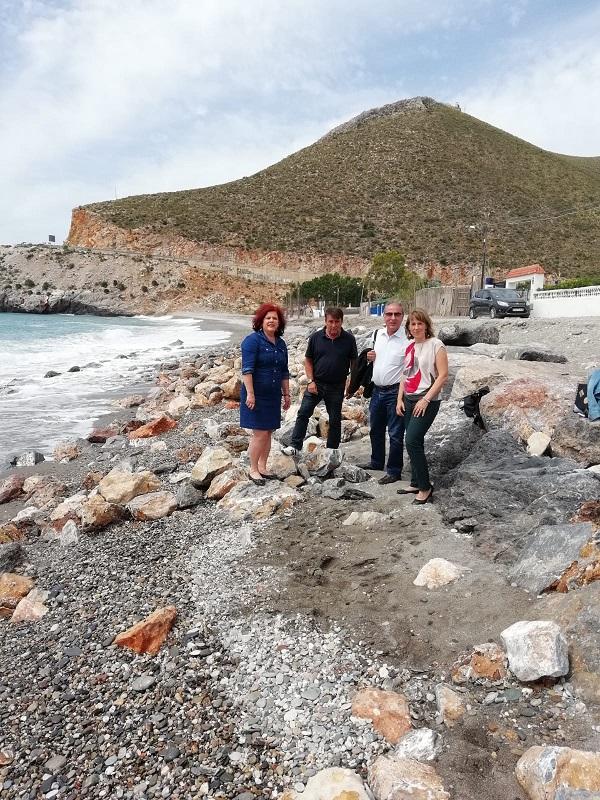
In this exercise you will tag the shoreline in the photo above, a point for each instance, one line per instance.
(329, 607)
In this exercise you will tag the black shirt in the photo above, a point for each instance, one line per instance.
(331, 357)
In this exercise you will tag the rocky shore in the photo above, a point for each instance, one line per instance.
(168, 629)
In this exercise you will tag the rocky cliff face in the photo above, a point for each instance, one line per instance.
(89, 229)
(42, 280)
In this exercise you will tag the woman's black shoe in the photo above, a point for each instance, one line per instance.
(428, 499)
(257, 481)
(412, 490)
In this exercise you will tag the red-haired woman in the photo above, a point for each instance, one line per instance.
(265, 387)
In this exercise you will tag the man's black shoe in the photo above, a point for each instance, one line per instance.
(389, 479)
(369, 466)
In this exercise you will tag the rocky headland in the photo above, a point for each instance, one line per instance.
(41, 279)
(169, 629)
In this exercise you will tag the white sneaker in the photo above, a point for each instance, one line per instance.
(289, 451)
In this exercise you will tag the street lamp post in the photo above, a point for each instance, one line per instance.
(484, 231)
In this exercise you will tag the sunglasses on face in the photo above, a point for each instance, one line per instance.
(392, 314)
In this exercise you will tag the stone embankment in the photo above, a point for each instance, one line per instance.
(159, 613)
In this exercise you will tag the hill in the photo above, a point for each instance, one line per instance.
(412, 176)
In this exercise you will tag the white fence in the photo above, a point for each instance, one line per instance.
(584, 302)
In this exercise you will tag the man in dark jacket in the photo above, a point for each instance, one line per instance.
(330, 354)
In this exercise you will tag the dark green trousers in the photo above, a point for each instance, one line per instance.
(415, 429)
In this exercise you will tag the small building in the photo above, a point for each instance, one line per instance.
(533, 275)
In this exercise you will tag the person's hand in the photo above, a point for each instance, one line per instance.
(420, 408)
(371, 355)
(312, 388)
(286, 402)
(250, 401)
(400, 407)
(347, 393)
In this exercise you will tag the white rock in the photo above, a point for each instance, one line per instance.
(322, 461)
(422, 744)
(178, 406)
(211, 463)
(120, 487)
(69, 534)
(31, 608)
(538, 443)
(438, 572)
(366, 519)
(247, 501)
(536, 650)
(68, 506)
(333, 783)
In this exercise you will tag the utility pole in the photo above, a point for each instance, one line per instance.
(484, 254)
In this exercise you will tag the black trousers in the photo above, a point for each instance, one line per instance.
(332, 395)
(414, 438)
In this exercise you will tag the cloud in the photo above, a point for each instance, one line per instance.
(149, 96)
(546, 88)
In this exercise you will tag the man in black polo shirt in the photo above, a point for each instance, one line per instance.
(329, 356)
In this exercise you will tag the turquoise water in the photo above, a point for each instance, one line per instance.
(113, 353)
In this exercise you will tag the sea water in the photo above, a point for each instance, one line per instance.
(114, 354)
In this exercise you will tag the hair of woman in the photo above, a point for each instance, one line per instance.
(421, 316)
(262, 311)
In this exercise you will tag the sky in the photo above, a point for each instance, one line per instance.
(109, 98)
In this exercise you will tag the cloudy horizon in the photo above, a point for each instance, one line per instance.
(103, 99)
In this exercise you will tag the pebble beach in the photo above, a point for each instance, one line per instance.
(243, 699)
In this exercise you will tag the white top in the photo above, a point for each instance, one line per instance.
(389, 361)
(420, 371)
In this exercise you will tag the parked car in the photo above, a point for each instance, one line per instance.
(498, 303)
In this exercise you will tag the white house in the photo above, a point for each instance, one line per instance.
(533, 274)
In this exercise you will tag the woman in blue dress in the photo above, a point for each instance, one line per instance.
(265, 388)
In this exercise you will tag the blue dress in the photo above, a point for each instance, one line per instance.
(268, 365)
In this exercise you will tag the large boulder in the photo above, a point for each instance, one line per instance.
(211, 463)
(154, 505)
(464, 334)
(11, 487)
(280, 465)
(536, 650)
(404, 779)
(559, 773)
(96, 513)
(119, 487)
(11, 556)
(577, 438)
(509, 493)
(549, 552)
(422, 744)
(247, 501)
(224, 482)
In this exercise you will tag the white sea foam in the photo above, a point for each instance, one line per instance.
(113, 354)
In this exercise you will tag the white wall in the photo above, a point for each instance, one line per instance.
(584, 302)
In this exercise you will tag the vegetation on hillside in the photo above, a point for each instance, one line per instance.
(416, 182)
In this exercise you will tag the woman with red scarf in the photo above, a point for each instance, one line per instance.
(425, 373)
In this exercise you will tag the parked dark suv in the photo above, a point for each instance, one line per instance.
(498, 303)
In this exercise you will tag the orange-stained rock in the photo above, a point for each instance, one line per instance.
(231, 404)
(388, 711)
(549, 773)
(12, 487)
(11, 533)
(31, 608)
(13, 588)
(485, 662)
(148, 635)
(153, 428)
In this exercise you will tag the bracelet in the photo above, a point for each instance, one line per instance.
(285, 395)
(309, 383)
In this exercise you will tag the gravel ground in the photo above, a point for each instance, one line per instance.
(241, 701)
